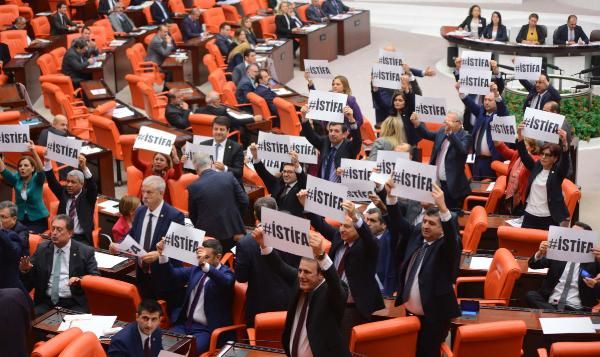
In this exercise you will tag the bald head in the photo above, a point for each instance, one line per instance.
(213, 98)
(60, 123)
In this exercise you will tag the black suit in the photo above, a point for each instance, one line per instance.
(334, 7)
(233, 157)
(288, 202)
(106, 6)
(23, 233)
(225, 44)
(128, 342)
(561, 35)
(73, 65)
(60, 24)
(158, 15)
(11, 251)
(190, 28)
(466, 24)
(81, 262)
(284, 25)
(439, 269)
(85, 203)
(268, 95)
(541, 33)
(325, 310)
(177, 116)
(16, 328)
(551, 94)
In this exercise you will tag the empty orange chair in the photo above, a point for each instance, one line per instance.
(523, 242)
(210, 62)
(260, 106)
(204, 4)
(572, 349)
(492, 201)
(40, 26)
(146, 69)
(47, 64)
(500, 168)
(34, 241)
(267, 330)
(107, 296)
(137, 98)
(250, 7)
(499, 281)
(148, 15)
(49, 92)
(250, 176)
(86, 345)
(367, 132)
(476, 225)
(99, 36)
(16, 40)
(213, 49)
(301, 11)
(201, 124)
(54, 346)
(109, 33)
(105, 109)
(8, 14)
(107, 135)
(571, 194)
(268, 27)
(180, 201)
(154, 104)
(177, 7)
(228, 96)
(289, 119)
(127, 142)
(176, 33)
(58, 54)
(64, 83)
(213, 18)
(492, 339)
(217, 80)
(134, 181)
(232, 16)
(397, 337)
(10, 117)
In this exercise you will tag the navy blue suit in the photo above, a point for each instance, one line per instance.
(501, 33)
(268, 95)
(551, 94)
(244, 86)
(218, 297)
(158, 15)
(225, 44)
(190, 28)
(561, 35)
(152, 286)
(334, 7)
(11, 251)
(386, 264)
(128, 342)
(315, 14)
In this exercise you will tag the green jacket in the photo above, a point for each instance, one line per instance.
(34, 206)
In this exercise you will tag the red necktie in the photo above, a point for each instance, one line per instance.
(301, 318)
(342, 266)
(147, 352)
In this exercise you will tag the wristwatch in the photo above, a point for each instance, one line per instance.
(321, 256)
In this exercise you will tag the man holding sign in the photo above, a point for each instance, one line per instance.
(568, 285)
(539, 93)
(229, 156)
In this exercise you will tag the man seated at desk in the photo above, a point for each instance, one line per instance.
(334, 7)
(215, 107)
(75, 62)
(223, 39)
(565, 288)
(92, 49)
(119, 20)
(161, 46)
(60, 22)
(141, 338)
(570, 33)
(20, 23)
(160, 12)
(191, 27)
(246, 85)
(177, 111)
(264, 90)
(315, 12)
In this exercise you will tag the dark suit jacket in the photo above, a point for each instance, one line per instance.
(104, 7)
(85, 205)
(57, 26)
(360, 266)
(23, 232)
(73, 65)
(43, 138)
(268, 96)
(555, 271)
(541, 32)
(233, 158)
(551, 94)
(238, 72)
(16, 313)
(81, 262)
(225, 44)
(158, 15)
(190, 28)
(466, 24)
(561, 35)
(11, 251)
(315, 14)
(456, 156)
(284, 28)
(275, 185)
(128, 342)
(501, 34)
(251, 37)
(244, 86)
(216, 201)
(483, 123)
(386, 264)
(348, 148)
(439, 269)
(325, 310)
(556, 202)
(329, 7)
(177, 116)
(150, 285)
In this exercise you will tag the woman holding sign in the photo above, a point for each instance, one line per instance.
(545, 204)
(165, 166)
(28, 183)
(340, 84)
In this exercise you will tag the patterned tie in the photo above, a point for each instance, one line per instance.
(56, 277)
(73, 208)
(416, 260)
(298, 331)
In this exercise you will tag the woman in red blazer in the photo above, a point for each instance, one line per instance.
(165, 166)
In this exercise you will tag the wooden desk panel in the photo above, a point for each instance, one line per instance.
(26, 71)
(101, 165)
(489, 239)
(318, 44)
(122, 66)
(182, 70)
(10, 96)
(45, 47)
(283, 61)
(88, 86)
(105, 72)
(196, 47)
(354, 32)
(191, 94)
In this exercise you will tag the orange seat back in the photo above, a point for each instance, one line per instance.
(231, 14)
(268, 327)
(301, 11)
(213, 18)
(259, 105)
(134, 181)
(213, 49)
(148, 14)
(175, 33)
(267, 26)
(204, 4)
(492, 339)
(40, 26)
(500, 167)
(9, 117)
(571, 194)
(217, 80)
(107, 134)
(250, 7)
(99, 36)
(107, 296)
(575, 349)
(426, 146)
(177, 6)
(201, 124)
(54, 346)
(34, 242)
(496, 195)
(16, 40)
(180, 200)
(522, 242)
(8, 14)
(61, 81)
(476, 225)
(228, 96)
(210, 62)
(152, 105)
(49, 91)
(86, 345)
(381, 337)
(58, 54)
(252, 177)
(367, 132)
(127, 142)
(289, 121)
(137, 97)
(109, 33)
(47, 64)
(72, 37)
(105, 109)
(501, 276)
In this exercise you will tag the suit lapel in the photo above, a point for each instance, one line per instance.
(160, 223)
(227, 152)
(73, 256)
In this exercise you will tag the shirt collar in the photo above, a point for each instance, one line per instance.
(143, 336)
(66, 248)
(157, 210)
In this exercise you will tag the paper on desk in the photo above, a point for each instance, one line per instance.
(354, 12)
(480, 263)
(97, 64)
(88, 150)
(68, 320)
(341, 16)
(165, 353)
(490, 186)
(116, 43)
(137, 33)
(23, 55)
(43, 40)
(314, 27)
(515, 222)
(122, 112)
(282, 91)
(558, 325)
(108, 203)
(275, 42)
(96, 325)
(98, 91)
(261, 58)
(239, 115)
(108, 261)
(111, 210)
(540, 271)
(256, 17)
(45, 13)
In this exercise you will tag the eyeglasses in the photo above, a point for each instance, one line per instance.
(546, 154)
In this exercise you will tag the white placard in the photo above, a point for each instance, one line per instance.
(541, 125)
(273, 147)
(504, 128)
(274, 167)
(386, 160)
(325, 198)
(562, 325)
(181, 243)
(386, 76)
(528, 68)
(356, 177)
(199, 139)
(431, 109)
(63, 149)
(286, 232)
(571, 245)
(14, 138)
(130, 246)
(414, 180)
(189, 149)
(317, 69)
(390, 58)
(476, 60)
(306, 151)
(154, 140)
(475, 81)
(326, 106)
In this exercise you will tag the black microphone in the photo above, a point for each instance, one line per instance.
(506, 67)
(588, 70)
(550, 65)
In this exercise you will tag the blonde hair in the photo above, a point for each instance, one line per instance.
(392, 130)
(279, 12)
(345, 84)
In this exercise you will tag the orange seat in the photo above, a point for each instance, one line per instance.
(72, 37)
(175, 32)
(260, 106)
(217, 80)
(40, 26)
(16, 40)
(500, 167)
(228, 96)
(301, 11)
(51, 202)
(154, 104)
(64, 83)
(10, 117)
(58, 54)
(134, 181)
(109, 33)
(47, 64)
(289, 119)
(127, 142)
(213, 18)
(99, 36)
(34, 241)
(49, 92)
(571, 194)
(492, 339)
(148, 15)
(499, 281)
(137, 98)
(397, 337)
(8, 14)
(213, 49)
(523, 242)
(572, 349)
(474, 228)
(425, 145)
(146, 69)
(204, 4)
(180, 201)
(250, 7)
(54, 346)
(107, 296)
(201, 124)
(177, 7)
(86, 345)
(77, 116)
(210, 62)
(105, 109)
(232, 16)
(267, 330)
(493, 200)
(268, 27)
(107, 135)
(252, 177)
(367, 132)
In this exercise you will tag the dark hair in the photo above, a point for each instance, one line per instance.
(268, 202)
(569, 19)
(582, 225)
(554, 106)
(499, 18)
(533, 14)
(393, 111)
(545, 75)
(214, 245)
(79, 43)
(161, 26)
(344, 127)
(65, 218)
(554, 149)
(170, 96)
(222, 26)
(473, 8)
(433, 211)
(28, 158)
(222, 120)
(377, 211)
(128, 204)
(85, 27)
(150, 306)
(60, 4)
(248, 52)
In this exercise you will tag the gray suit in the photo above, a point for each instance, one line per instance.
(117, 24)
(380, 144)
(238, 72)
(158, 50)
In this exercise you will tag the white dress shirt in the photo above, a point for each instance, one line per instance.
(199, 314)
(64, 290)
(537, 203)
(219, 158)
(573, 298)
(77, 227)
(156, 215)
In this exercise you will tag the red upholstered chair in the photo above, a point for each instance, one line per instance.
(16, 40)
(289, 118)
(397, 337)
(260, 106)
(476, 225)
(148, 15)
(109, 33)
(232, 16)
(213, 18)
(58, 54)
(154, 103)
(201, 124)
(499, 281)
(267, 330)
(180, 201)
(34, 241)
(137, 98)
(572, 194)
(10, 117)
(107, 135)
(204, 4)
(127, 142)
(252, 177)
(572, 349)
(301, 10)
(177, 7)
(8, 14)
(268, 27)
(86, 345)
(250, 7)
(492, 201)
(47, 64)
(523, 242)
(146, 69)
(54, 346)
(213, 50)
(217, 80)
(500, 168)
(492, 339)
(107, 296)
(40, 26)
(134, 181)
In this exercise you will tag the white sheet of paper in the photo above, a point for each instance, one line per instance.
(475, 81)
(96, 325)
(286, 232)
(307, 153)
(356, 177)
(154, 140)
(504, 128)
(238, 115)
(391, 58)
(14, 138)
(108, 261)
(108, 203)
(541, 125)
(414, 180)
(130, 246)
(431, 109)
(62, 149)
(181, 243)
(559, 325)
(515, 222)
(480, 263)
(386, 76)
(490, 186)
(111, 210)
(528, 68)
(325, 198)
(326, 106)
(386, 161)
(318, 69)
(98, 91)
(476, 60)
(571, 245)
(190, 149)
(540, 271)
(122, 112)
(273, 147)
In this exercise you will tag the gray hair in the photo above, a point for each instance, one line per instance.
(157, 181)
(268, 202)
(78, 175)
(12, 208)
(456, 113)
(201, 161)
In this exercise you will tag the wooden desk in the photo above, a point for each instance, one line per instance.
(318, 44)
(10, 96)
(100, 163)
(182, 135)
(138, 38)
(123, 122)
(26, 71)
(122, 66)
(240, 349)
(479, 188)
(48, 324)
(106, 72)
(196, 47)
(353, 32)
(283, 60)
(489, 239)
(88, 86)
(181, 69)
(191, 94)
(106, 220)
(45, 47)
(85, 11)
(137, 16)
(36, 128)
(119, 271)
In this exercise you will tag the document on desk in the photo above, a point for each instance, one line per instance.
(23, 55)
(43, 40)
(239, 115)
(341, 16)
(490, 186)
(122, 112)
(516, 222)
(107, 261)
(95, 65)
(282, 91)
(480, 263)
(539, 271)
(108, 203)
(116, 43)
(98, 91)
(560, 325)
(88, 150)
